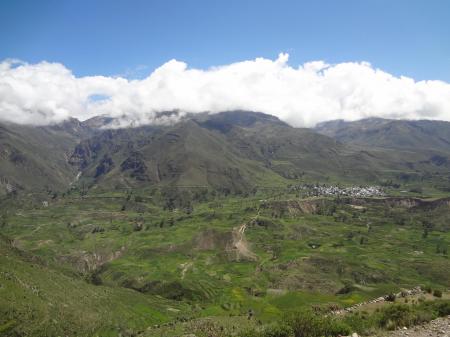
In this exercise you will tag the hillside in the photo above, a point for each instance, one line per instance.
(237, 151)
(54, 301)
(211, 225)
(36, 158)
(234, 151)
(100, 264)
(394, 134)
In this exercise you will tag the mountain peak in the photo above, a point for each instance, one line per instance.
(98, 122)
(225, 121)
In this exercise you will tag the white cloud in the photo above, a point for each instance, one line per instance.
(45, 92)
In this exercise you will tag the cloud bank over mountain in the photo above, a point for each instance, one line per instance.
(46, 93)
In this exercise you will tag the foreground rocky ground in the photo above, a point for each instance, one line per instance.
(437, 328)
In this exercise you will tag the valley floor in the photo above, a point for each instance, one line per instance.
(156, 270)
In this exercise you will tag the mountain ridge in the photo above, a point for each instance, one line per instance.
(232, 151)
(389, 133)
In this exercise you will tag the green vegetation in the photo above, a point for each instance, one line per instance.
(309, 324)
(37, 300)
(230, 152)
(145, 263)
(209, 226)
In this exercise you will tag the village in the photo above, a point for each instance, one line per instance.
(316, 190)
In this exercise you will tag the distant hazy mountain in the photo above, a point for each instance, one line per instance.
(233, 151)
(394, 134)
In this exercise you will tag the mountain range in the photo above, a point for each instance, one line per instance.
(233, 151)
(394, 134)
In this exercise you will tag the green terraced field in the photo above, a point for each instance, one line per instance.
(123, 262)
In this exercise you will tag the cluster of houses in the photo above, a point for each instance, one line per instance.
(334, 190)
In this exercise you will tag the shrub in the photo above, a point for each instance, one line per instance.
(97, 229)
(401, 315)
(346, 289)
(137, 226)
(428, 289)
(396, 316)
(437, 293)
(391, 297)
(308, 324)
(443, 308)
(361, 322)
(278, 331)
(250, 333)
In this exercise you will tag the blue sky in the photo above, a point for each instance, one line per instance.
(402, 37)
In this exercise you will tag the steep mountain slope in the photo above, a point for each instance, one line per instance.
(185, 154)
(396, 134)
(286, 150)
(234, 151)
(36, 158)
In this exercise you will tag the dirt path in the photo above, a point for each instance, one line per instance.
(438, 328)
(185, 267)
(240, 243)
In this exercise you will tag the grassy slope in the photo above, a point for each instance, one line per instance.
(287, 274)
(35, 158)
(38, 300)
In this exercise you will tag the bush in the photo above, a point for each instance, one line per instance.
(396, 316)
(346, 289)
(437, 293)
(250, 333)
(308, 324)
(362, 322)
(279, 330)
(443, 308)
(391, 297)
(137, 226)
(401, 315)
